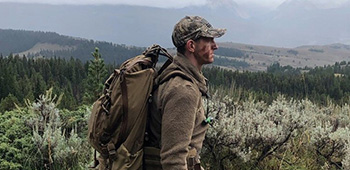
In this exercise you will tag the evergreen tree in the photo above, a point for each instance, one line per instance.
(8, 103)
(96, 75)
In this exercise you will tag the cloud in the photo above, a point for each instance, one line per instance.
(152, 3)
(264, 3)
(179, 3)
(328, 3)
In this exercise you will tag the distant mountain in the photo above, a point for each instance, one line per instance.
(50, 44)
(293, 23)
(291, 5)
(260, 57)
(121, 24)
(300, 22)
(234, 56)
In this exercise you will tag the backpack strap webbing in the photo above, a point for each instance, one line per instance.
(165, 65)
(124, 117)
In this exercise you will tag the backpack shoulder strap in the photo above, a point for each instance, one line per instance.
(168, 73)
(175, 73)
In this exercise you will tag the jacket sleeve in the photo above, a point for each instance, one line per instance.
(180, 101)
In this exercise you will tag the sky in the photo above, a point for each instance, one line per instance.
(175, 3)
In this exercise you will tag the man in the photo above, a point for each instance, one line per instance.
(176, 125)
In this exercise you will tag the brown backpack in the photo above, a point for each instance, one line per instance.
(118, 118)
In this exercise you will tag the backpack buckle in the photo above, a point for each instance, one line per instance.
(112, 153)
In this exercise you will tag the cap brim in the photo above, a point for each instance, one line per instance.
(214, 32)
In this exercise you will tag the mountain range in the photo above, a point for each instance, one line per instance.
(293, 23)
(235, 56)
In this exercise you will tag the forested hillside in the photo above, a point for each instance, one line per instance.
(38, 44)
(26, 78)
(21, 41)
(319, 84)
(23, 77)
(34, 44)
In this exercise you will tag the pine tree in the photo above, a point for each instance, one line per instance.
(8, 103)
(96, 75)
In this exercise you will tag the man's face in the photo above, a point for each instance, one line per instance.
(204, 50)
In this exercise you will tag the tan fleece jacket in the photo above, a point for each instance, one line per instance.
(177, 115)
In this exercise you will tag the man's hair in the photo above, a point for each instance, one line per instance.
(181, 49)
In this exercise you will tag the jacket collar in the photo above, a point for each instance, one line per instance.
(186, 66)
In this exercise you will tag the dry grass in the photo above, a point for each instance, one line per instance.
(260, 57)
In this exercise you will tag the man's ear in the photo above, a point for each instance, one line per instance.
(190, 45)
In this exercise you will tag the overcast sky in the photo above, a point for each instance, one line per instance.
(175, 3)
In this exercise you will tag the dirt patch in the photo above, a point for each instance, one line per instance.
(45, 47)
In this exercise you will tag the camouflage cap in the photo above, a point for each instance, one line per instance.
(194, 27)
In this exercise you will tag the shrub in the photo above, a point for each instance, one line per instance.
(245, 133)
(16, 143)
(40, 136)
(55, 148)
(330, 134)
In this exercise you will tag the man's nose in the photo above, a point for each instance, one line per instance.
(215, 46)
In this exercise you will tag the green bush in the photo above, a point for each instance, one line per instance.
(8, 103)
(40, 136)
(16, 145)
(286, 134)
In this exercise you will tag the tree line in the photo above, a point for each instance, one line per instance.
(319, 84)
(25, 78)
